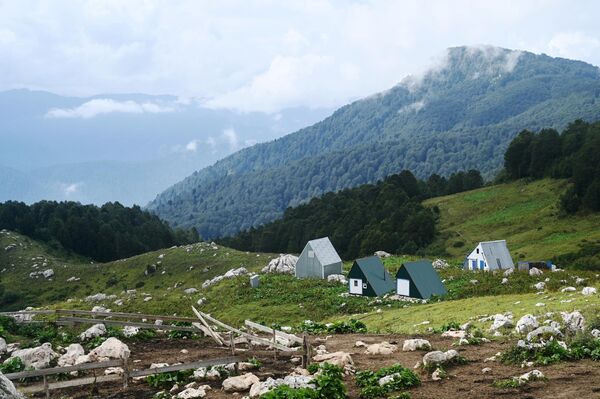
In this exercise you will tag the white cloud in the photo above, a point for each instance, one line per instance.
(100, 106)
(267, 55)
(70, 189)
(192, 146)
(231, 137)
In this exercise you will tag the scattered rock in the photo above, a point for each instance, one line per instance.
(439, 357)
(285, 263)
(96, 330)
(292, 381)
(70, 357)
(486, 370)
(382, 254)
(540, 286)
(37, 358)
(192, 393)
(543, 332)
(7, 388)
(508, 272)
(569, 289)
(574, 321)
(415, 344)
(505, 280)
(589, 291)
(130, 331)
(190, 291)
(240, 383)
(534, 271)
(360, 344)
(439, 264)
(501, 322)
(340, 278)
(384, 348)
(230, 274)
(526, 324)
(530, 376)
(111, 348)
(342, 359)
(437, 375)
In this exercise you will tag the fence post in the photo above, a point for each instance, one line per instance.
(125, 372)
(232, 342)
(305, 354)
(46, 388)
(274, 343)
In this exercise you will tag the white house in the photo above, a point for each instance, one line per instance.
(489, 255)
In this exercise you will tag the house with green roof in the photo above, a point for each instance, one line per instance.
(368, 277)
(419, 280)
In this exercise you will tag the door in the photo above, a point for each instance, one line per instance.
(356, 286)
(474, 264)
(481, 265)
(403, 287)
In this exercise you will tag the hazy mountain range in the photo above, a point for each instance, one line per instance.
(123, 148)
(460, 114)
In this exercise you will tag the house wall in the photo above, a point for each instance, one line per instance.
(308, 266)
(477, 256)
(356, 273)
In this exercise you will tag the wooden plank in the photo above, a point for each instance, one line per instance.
(67, 369)
(185, 366)
(280, 334)
(67, 320)
(33, 312)
(254, 338)
(213, 334)
(126, 315)
(69, 383)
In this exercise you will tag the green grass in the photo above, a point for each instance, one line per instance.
(525, 214)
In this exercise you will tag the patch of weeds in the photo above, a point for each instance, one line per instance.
(401, 378)
(456, 361)
(453, 325)
(506, 383)
(329, 384)
(167, 380)
(351, 326)
(174, 334)
(581, 346)
(143, 335)
(255, 362)
(94, 342)
(12, 365)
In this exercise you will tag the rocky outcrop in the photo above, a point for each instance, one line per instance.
(384, 348)
(339, 278)
(7, 389)
(36, 358)
(526, 324)
(285, 263)
(112, 348)
(70, 357)
(411, 345)
(241, 271)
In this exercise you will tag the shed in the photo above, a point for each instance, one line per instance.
(318, 259)
(254, 281)
(368, 277)
(419, 280)
(489, 255)
(527, 265)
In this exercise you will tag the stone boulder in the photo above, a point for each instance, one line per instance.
(589, 291)
(48, 273)
(70, 357)
(439, 264)
(112, 348)
(532, 375)
(540, 286)
(574, 321)
(285, 263)
(97, 330)
(130, 331)
(384, 348)
(534, 271)
(439, 357)
(36, 358)
(241, 271)
(526, 324)
(543, 332)
(341, 359)
(382, 254)
(193, 393)
(501, 322)
(190, 291)
(339, 278)
(240, 383)
(7, 389)
(411, 345)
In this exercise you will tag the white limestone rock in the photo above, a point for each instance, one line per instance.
(70, 356)
(240, 383)
(112, 348)
(526, 324)
(97, 330)
(574, 321)
(589, 291)
(285, 263)
(411, 345)
(382, 254)
(384, 348)
(7, 389)
(37, 358)
(339, 278)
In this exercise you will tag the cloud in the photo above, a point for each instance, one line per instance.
(100, 106)
(574, 45)
(192, 146)
(70, 189)
(231, 137)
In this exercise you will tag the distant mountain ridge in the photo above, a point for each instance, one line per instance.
(459, 115)
(120, 147)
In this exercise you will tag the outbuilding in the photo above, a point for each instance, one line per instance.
(368, 277)
(419, 280)
(489, 255)
(318, 259)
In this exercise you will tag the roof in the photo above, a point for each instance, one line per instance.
(493, 250)
(324, 251)
(424, 277)
(380, 279)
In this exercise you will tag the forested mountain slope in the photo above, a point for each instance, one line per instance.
(459, 115)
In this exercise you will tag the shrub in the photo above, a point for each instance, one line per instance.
(506, 383)
(174, 334)
(351, 326)
(329, 385)
(13, 365)
(167, 380)
(369, 381)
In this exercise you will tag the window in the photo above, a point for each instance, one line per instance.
(311, 254)
(364, 286)
(356, 283)
(477, 250)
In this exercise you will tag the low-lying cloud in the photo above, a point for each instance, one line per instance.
(101, 106)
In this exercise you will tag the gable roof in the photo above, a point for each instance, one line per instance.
(376, 274)
(493, 250)
(324, 251)
(424, 277)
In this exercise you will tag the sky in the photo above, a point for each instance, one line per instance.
(267, 55)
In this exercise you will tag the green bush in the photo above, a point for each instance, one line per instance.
(351, 326)
(13, 365)
(368, 380)
(167, 380)
(328, 385)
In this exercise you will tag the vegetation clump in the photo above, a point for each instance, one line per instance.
(328, 383)
(351, 326)
(397, 378)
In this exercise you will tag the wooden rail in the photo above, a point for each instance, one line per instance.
(279, 334)
(85, 320)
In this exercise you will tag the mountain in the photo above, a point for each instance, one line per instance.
(458, 115)
(120, 147)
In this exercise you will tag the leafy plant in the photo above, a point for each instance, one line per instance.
(351, 326)
(328, 385)
(13, 365)
(167, 380)
(402, 378)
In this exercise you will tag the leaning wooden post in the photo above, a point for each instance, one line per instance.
(274, 344)
(232, 342)
(305, 351)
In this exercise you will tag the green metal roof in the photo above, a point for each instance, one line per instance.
(374, 271)
(424, 277)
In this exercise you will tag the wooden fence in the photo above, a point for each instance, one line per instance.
(124, 377)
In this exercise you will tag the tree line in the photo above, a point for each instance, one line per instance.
(387, 215)
(105, 233)
(574, 155)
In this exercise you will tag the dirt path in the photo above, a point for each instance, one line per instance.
(573, 380)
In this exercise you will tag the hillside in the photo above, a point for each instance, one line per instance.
(525, 214)
(459, 115)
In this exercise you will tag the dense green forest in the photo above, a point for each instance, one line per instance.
(385, 216)
(574, 154)
(460, 115)
(104, 233)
